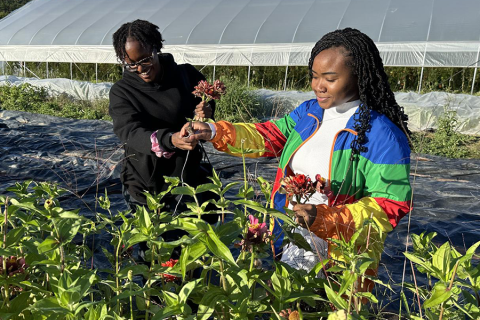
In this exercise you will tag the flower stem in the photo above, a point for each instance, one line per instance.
(252, 259)
(147, 300)
(117, 267)
(131, 302)
(6, 301)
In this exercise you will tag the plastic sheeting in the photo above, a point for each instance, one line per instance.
(245, 32)
(79, 90)
(84, 157)
(423, 109)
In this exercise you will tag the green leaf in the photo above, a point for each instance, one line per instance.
(209, 301)
(281, 216)
(300, 241)
(68, 229)
(143, 220)
(25, 205)
(469, 254)
(367, 295)
(252, 205)
(136, 238)
(439, 294)
(50, 243)
(70, 215)
(205, 187)
(187, 190)
(136, 269)
(403, 298)
(281, 283)
(187, 289)
(47, 305)
(228, 187)
(246, 193)
(441, 260)
(14, 236)
(184, 260)
(337, 300)
(348, 278)
(419, 261)
(218, 248)
(171, 299)
(165, 313)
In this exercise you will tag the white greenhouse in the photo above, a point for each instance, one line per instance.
(413, 33)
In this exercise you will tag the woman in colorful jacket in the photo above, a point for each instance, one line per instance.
(354, 133)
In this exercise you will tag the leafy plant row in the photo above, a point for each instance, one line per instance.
(224, 271)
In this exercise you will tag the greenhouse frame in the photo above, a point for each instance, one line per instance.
(410, 33)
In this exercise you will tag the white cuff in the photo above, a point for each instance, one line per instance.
(214, 131)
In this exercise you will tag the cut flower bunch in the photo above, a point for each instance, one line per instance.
(300, 187)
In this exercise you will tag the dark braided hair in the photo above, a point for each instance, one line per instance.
(146, 33)
(366, 64)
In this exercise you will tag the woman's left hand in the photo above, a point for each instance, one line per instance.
(203, 110)
(305, 214)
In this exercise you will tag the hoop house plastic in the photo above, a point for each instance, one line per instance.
(245, 32)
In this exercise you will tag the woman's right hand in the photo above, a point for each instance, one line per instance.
(201, 131)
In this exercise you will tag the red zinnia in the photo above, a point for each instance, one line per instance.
(170, 264)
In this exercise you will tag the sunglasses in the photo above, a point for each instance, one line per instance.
(146, 63)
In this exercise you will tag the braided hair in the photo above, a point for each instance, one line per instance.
(146, 33)
(366, 64)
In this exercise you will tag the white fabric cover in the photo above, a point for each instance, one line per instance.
(422, 109)
(245, 32)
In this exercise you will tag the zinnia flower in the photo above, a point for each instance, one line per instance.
(170, 264)
(257, 232)
(209, 92)
(14, 265)
(301, 186)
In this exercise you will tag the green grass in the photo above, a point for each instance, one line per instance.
(446, 140)
(36, 100)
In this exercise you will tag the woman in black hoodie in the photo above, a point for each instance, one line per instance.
(148, 107)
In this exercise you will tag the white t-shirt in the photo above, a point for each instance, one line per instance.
(313, 158)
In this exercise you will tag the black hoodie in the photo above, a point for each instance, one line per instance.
(138, 109)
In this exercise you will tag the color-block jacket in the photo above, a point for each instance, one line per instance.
(374, 185)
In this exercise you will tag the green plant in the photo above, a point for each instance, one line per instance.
(455, 293)
(26, 97)
(210, 276)
(239, 104)
(446, 140)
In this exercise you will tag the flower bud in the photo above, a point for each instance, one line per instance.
(49, 204)
(130, 275)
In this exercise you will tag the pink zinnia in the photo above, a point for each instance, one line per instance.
(257, 232)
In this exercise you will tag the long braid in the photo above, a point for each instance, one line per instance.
(366, 64)
(146, 33)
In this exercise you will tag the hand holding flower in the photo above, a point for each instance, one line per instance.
(305, 214)
(203, 110)
(207, 92)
